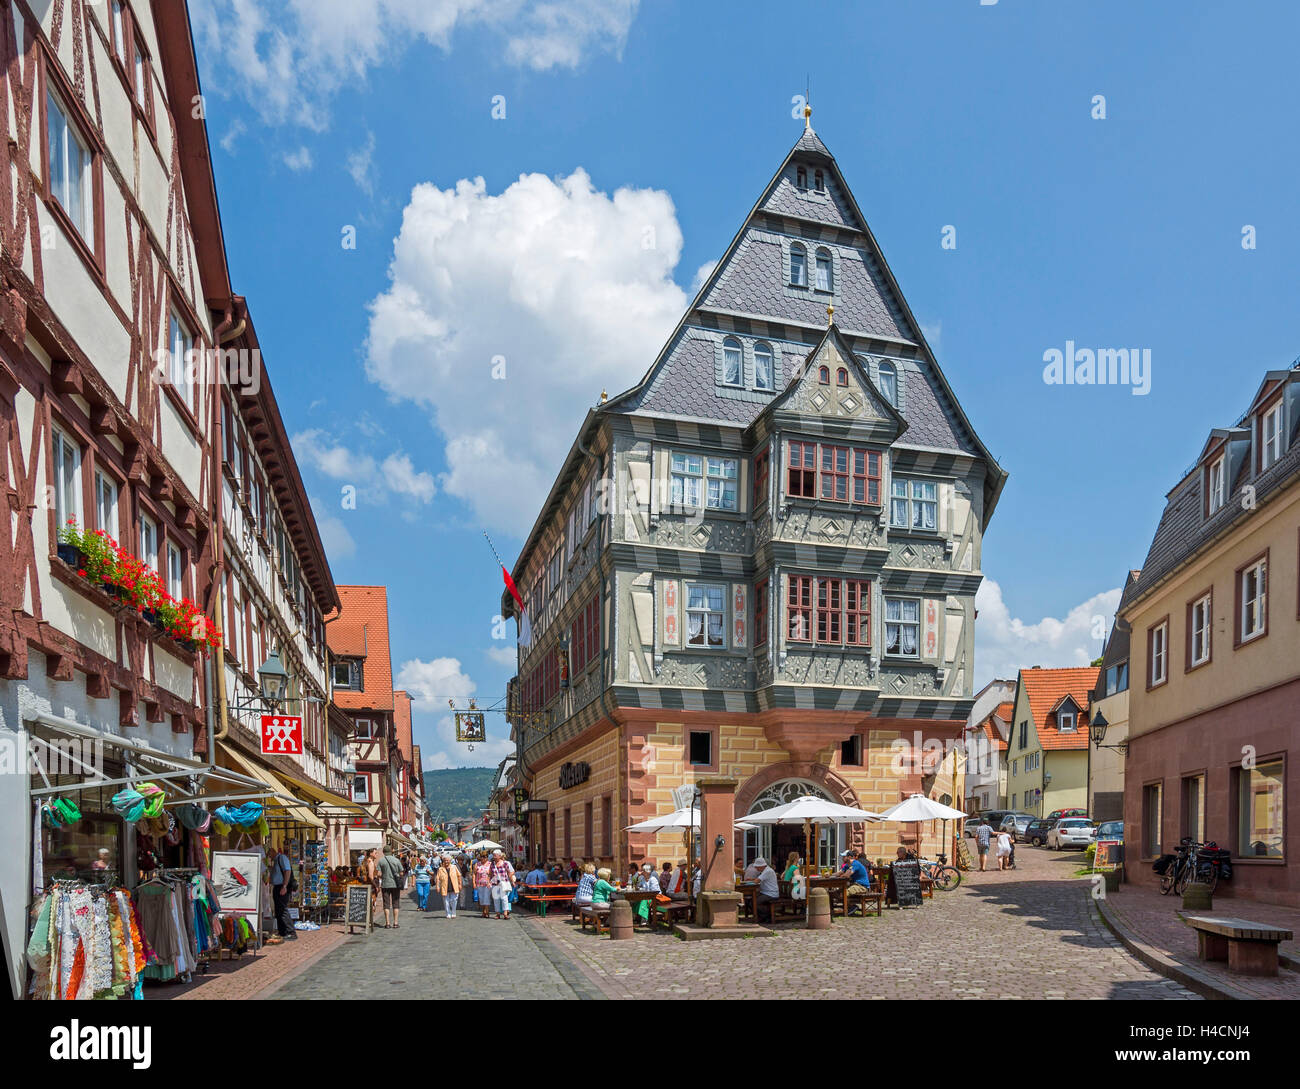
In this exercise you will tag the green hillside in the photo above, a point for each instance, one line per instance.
(457, 792)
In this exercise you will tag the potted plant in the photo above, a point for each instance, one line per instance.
(69, 547)
(99, 559)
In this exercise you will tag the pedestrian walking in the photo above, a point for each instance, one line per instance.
(466, 898)
(483, 883)
(390, 885)
(423, 879)
(449, 888)
(1004, 850)
(282, 884)
(983, 835)
(502, 884)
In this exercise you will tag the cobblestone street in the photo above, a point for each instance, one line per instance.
(1031, 933)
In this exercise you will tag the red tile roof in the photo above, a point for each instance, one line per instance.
(402, 720)
(361, 631)
(1045, 689)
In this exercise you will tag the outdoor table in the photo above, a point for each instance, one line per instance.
(749, 891)
(834, 886)
(635, 897)
(541, 895)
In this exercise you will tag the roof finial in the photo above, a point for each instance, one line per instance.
(830, 314)
(807, 104)
(603, 397)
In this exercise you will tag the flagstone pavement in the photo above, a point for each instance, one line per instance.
(1032, 933)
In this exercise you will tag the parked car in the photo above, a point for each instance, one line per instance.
(1071, 832)
(993, 816)
(1111, 830)
(1058, 813)
(1015, 823)
(1037, 829)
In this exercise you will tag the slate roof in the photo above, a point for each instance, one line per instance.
(361, 630)
(1045, 688)
(1184, 530)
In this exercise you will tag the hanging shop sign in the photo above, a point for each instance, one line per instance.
(470, 726)
(281, 734)
(237, 880)
(521, 799)
(573, 774)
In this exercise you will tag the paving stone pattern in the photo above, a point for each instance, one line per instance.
(1031, 933)
(432, 957)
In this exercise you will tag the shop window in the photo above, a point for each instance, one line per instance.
(1259, 794)
(851, 751)
(1151, 832)
(701, 747)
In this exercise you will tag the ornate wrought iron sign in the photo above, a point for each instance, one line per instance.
(470, 726)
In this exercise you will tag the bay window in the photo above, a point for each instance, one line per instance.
(903, 627)
(848, 474)
(802, 481)
(828, 611)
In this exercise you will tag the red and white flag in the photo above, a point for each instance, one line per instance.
(525, 628)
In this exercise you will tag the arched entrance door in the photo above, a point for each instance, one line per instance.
(775, 841)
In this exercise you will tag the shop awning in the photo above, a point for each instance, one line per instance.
(327, 798)
(276, 806)
(362, 839)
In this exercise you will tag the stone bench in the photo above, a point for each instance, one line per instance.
(1249, 948)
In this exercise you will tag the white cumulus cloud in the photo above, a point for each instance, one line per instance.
(523, 305)
(299, 160)
(289, 58)
(1005, 644)
(373, 479)
(432, 683)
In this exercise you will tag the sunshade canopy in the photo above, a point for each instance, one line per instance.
(920, 808)
(811, 808)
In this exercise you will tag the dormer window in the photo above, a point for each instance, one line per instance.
(824, 375)
(825, 279)
(1270, 436)
(1067, 721)
(798, 266)
(889, 383)
(842, 376)
(731, 362)
(764, 367)
(1216, 485)
(819, 183)
(801, 177)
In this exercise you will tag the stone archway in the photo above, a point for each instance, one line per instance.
(818, 774)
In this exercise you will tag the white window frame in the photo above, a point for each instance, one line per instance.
(175, 571)
(820, 255)
(61, 130)
(62, 449)
(369, 728)
(705, 612)
(802, 250)
(889, 389)
(361, 779)
(1201, 630)
(106, 512)
(1158, 669)
(763, 351)
(1270, 445)
(912, 503)
(1254, 605)
(149, 541)
(180, 345)
(1217, 483)
(701, 480)
(1067, 721)
(900, 622)
(733, 351)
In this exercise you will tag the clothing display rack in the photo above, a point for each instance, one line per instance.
(86, 943)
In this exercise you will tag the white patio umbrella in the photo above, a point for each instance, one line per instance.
(811, 811)
(485, 845)
(919, 808)
(678, 818)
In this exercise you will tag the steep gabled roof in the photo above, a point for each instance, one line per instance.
(361, 631)
(1046, 690)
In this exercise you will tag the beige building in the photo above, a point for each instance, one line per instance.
(1047, 751)
(1214, 723)
(1110, 711)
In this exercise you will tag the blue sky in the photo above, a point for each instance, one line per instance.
(669, 118)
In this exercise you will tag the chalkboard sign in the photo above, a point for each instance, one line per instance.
(358, 908)
(907, 882)
(1109, 856)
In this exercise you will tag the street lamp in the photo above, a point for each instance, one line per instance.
(274, 680)
(1097, 732)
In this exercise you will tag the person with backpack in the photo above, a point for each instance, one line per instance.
(391, 879)
(283, 884)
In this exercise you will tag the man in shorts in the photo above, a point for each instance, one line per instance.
(983, 836)
(391, 879)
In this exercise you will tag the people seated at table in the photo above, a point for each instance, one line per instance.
(739, 867)
(903, 854)
(665, 876)
(575, 869)
(586, 885)
(535, 876)
(794, 874)
(846, 861)
(646, 882)
(601, 890)
(675, 886)
(769, 889)
(859, 878)
(633, 872)
(751, 871)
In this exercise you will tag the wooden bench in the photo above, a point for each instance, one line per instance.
(1249, 948)
(595, 914)
(874, 895)
(678, 909)
(538, 896)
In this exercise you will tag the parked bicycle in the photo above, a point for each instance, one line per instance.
(945, 877)
(1192, 863)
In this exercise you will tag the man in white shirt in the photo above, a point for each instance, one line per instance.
(768, 889)
(675, 887)
(751, 871)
